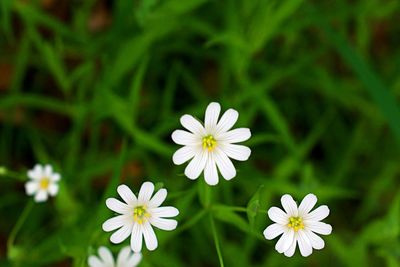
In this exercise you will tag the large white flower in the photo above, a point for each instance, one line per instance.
(138, 215)
(125, 258)
(298, 225)
(211, 146)
(43, 182)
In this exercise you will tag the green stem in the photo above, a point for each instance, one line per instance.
(13, 175)
(217, 246)
(22, 218)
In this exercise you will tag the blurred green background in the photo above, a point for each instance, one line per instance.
(96, 88)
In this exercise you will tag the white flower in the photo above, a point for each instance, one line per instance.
(212, 145)
(43, 182)
(125, 258)
(298, 225)
(138, 216)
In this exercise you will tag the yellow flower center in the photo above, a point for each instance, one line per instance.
(44, 183)
(209, 143)
(140, 214)
(296, 223)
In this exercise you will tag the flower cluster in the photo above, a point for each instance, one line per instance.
(209, 147)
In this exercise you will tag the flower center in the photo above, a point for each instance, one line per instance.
(296, 223)
(140, 214)
(44, 183)
(209, 143)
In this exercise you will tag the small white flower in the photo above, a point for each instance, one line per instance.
(125, 258)
(211, 146)
(298, 225)
(43, 182)
(138, 216)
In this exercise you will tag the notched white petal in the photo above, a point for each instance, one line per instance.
(165, 212)
(121, 234)
(196, 166)
(289, 205)
(184, 138)
(158, 198)
(184, 154)
(211, 117)
(117, 206)
(127, 195)
(149, 236)
(145, 192)
(277, 215)
(318, 214)
(273, 231)
(307, 204)
(192, 125)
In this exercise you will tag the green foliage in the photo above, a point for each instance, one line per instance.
(96, 88)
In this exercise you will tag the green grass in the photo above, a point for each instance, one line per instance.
(96, 89)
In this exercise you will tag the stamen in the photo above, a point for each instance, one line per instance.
(140, 215)
(296, 223)
(44, 183)
(209, 143)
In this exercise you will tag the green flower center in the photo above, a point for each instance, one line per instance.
(296, 223)
(140, 214)
(44, 183)
(209, 143)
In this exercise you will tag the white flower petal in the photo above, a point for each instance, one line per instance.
(158, 198)
(227, 120)
(36, 173)
(185, 138)
(53, 189)
(145, 192)
(304, 244)
(210, 171)
(127, 195)
(134, 260)
(31, 187)
(136, 238)
(277, 215)
(121, 234)
(318, 227)
(48, 170)
(307, 204)
(196, 166)
(106, 256)
(165, 212)
(237, 152)
(116, 222)
(318, 214)
(224, 164)
(93, 261)
(273, 231)
(211, 117)
(289, 205)
(234, 136)
(117, 206)
(316, 241)
(285, 241)
(149, 236)
(123, 257)
(55, 177)
(193, 125)
(41, 196)
(292, 248)
(184, 154)
(163, 224)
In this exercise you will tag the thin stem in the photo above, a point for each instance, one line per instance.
(217, 246)
(22, 218)
(10, 174)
